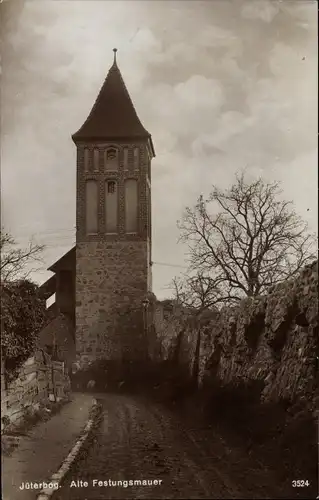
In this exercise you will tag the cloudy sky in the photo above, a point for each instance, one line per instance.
(221, 85)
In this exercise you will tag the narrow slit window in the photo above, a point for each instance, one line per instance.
(86, 159)
(96, 158)
(91, 204)
(131, 206)
(125, 158)
(136, 155)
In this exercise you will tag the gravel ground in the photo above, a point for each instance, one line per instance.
(141, 441)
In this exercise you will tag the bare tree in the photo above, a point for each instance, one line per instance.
(195, 291)
(241, 241)
(14, 260)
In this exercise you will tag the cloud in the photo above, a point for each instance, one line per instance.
(220, 85)
(263, 10)
(199, 92)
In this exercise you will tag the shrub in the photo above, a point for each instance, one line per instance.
(22, 316)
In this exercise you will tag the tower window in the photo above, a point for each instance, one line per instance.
(111, 159)
(125, 158)
(111, 187)
(111, 207)
(131, 206)
(111, 155)
(86, 159)
(136, 157)
(96, 157)
(91, 202)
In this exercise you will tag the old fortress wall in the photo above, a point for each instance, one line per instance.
(270, 341)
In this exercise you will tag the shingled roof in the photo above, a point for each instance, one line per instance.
(113, 115)
(65, 262)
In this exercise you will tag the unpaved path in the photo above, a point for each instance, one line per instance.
(140, 441)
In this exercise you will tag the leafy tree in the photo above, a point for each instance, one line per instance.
(23, 314)
(241, 241)
(22, 309)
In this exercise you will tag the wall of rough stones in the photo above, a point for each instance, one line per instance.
(271, 340)
(112, 281)
(39, 380)
(173, 333)
(113, 272)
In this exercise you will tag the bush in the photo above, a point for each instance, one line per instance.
(23, 315)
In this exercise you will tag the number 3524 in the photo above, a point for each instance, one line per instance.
(300, 483)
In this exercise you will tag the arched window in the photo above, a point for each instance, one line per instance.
(111, 159)
(131, 205)
(86, 159)
(91, 207)
(111, 207)
(96, 159)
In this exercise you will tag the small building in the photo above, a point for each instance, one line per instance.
(58, 336)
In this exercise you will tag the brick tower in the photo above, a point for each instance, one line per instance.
(113, 218)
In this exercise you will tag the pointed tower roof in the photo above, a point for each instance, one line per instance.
(113, 115)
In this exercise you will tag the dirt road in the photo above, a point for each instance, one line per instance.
(139, 442)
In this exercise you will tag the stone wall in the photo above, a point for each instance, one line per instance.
(173, 334)
(38, 381)
(271, 341)
(112, 280)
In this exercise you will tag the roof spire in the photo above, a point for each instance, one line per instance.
(113, 116)
(114, 50)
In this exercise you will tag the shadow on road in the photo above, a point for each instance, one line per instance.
(275, 443)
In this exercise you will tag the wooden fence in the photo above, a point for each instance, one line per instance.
(40, 379)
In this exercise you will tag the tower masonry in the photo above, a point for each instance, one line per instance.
(113, 226)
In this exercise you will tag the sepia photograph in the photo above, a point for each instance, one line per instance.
(159, 249)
